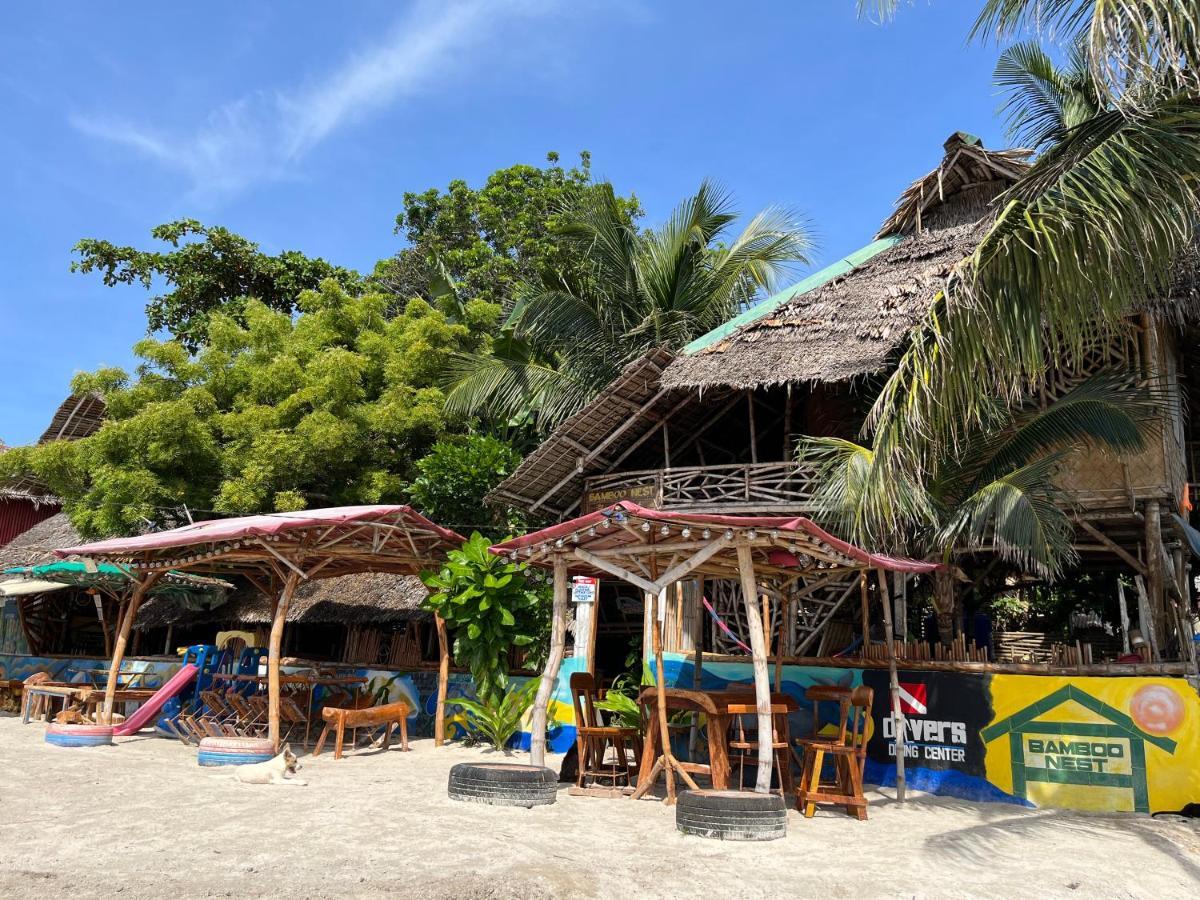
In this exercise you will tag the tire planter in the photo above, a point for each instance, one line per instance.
(233, 751)
(503, 784)
(731, 815)
(79, 735)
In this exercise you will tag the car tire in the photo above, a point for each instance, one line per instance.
(503, 784)
(731, 815)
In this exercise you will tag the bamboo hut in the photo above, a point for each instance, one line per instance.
(712, 429)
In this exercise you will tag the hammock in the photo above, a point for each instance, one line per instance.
(725, 628)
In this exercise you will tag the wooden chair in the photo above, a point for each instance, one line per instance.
(743, 744)
(848, 750)
(593, 738)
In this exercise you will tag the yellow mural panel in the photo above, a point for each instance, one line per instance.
(1128, 744)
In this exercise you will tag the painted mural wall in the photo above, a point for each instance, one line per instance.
(1113, 744)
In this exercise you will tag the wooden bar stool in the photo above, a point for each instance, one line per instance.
(743, 747)
(849, 753)
(592, 739)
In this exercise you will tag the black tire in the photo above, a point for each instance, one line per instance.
(503, 784)
(731, 815)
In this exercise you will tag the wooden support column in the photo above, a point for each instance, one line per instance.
(762, 684)
(865, 611)
(273, 652)
(558, 640)
(439, 720)
(114, 668)
(893, 682)
(1155, 587)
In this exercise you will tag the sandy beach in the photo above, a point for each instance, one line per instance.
(143, 820)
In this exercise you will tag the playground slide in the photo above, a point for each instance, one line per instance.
(147, 711)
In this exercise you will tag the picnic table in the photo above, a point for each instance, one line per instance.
(715, 705)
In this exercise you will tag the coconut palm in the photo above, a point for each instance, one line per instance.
(1045, 101)
(996, 490)
(567, 339)
(1092, 232)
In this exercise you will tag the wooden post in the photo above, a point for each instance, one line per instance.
(762, 684)
(558, 639)
(273, 652)
(439, 720)
(660, 688)
(893, 682)
(1124, 609)
(114, 667)
(866, 616)
(698, 649)
(753, 428)
(1154, 573)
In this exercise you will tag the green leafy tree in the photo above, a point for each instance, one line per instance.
(208, 269)
(490, 605)
(331, 407)
(569, 337)
(455, 476)
(478, 243)
(996, 489)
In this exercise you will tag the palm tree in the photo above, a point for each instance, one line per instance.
(995, 491)
(1092, 231)
(567, 339)
(1046, 101)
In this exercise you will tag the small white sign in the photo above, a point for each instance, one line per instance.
(584, 590)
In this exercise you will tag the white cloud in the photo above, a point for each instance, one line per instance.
(262, 136)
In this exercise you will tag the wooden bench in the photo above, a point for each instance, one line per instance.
(390, 714)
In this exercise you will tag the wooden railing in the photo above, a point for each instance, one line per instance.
(772, 487)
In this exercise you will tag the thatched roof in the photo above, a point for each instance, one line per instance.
(846, 321)
(36, 546)
(76, 417)
(601, 434)
(362, 598)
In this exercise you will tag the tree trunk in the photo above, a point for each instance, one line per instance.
(558, 637)
(944, 604)
(274, 649)
(114, 669)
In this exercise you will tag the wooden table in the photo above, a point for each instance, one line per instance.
(715, 706)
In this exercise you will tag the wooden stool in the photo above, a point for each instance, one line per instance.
(849, 753)
(743, 747)
(390, 714)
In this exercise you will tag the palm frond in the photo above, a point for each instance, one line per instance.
(1017, 515)
(483, 384)
(1039, 95)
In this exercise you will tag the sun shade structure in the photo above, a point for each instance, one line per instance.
(116, 580)
(275, 553)
(652, 549)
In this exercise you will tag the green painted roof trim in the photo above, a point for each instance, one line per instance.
(811, 283)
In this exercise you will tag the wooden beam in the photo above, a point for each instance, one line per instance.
(558, 640)
(140, 590)
(893, 683)
(1128, 558)
(439, 721)
(762, 684)
(273, 652)
(612, 568)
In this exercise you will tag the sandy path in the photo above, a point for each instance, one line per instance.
(381, 824)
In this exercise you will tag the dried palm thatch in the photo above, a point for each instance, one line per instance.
(76, 417)
(376, 598)
(35, 547)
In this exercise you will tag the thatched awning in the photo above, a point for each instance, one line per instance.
(76, 417)
(550, 480)
(377, 598)
(36, 546)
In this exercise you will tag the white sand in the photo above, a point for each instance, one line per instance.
(144, 820)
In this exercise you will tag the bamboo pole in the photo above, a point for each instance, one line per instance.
(273, 647)
(558, 639)
(114, 667)
(439, 720)
(660, 690)
(762, 684)
(893, 681)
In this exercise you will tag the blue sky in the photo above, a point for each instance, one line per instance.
(300, 125)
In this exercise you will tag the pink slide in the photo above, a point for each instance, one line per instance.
(148, 710)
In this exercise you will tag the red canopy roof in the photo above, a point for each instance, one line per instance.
(787, 528)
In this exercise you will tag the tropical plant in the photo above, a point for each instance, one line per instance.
(1045, 101)
(1089, 235)
(208, 269)
(499, 717)
(569, 336)
(276, 413)
(996, 489)
(455, 476)
(490, 605)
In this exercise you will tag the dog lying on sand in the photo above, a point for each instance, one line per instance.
(273, 771)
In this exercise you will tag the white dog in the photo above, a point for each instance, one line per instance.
(273, 771)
